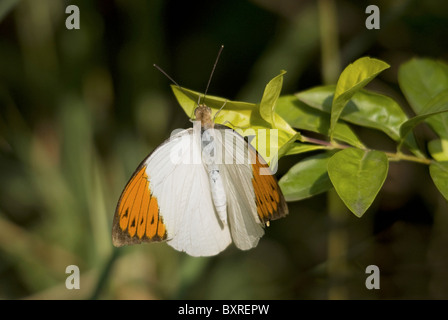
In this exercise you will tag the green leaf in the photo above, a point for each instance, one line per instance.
(284, 149)
(270, 97)
(288, 145)
(438, 149)
(367, 109)
(239, 113)
(306, 178)
(421, 80)
(298, 148)
(439, 175)
(358, 175)
(353, 78)
(303, 117)
(244, 118)
(435, 106)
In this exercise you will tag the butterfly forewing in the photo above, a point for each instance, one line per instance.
(137, 217)
(169, 198)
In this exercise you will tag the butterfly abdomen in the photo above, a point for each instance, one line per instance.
(211, 158)
(218, 194)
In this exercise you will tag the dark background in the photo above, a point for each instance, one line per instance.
(79, 109)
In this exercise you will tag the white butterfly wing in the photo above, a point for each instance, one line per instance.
(254, 197)
(180, 183)
(245, 225)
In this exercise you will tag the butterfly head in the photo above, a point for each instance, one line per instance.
(204, 114)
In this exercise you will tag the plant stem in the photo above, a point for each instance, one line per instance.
(401, 156)
(104, 275)
(331, 61)
(328, 144)
(337, 235)
(338, 242)
(398, 156)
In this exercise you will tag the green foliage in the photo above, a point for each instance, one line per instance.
(367, 109)
(358, 176)
(351, 80)
(270, 97)
(439, 174)
(307, 178)
(301, 116)
(438, 149)
(356, 172)
(421, 80)
(435, 106)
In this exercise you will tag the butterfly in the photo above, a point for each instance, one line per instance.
(200, 190)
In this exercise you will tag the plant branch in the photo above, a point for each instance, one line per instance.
(398, 156)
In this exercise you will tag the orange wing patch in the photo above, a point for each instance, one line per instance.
(137, 217)
(269, 198)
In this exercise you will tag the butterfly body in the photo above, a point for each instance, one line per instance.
(209, 158)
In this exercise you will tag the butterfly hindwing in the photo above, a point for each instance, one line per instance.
(254, 197)
(271, 203)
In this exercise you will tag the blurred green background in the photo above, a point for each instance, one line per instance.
(79, 110)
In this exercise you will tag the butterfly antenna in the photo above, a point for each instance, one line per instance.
(171, 79)
(216, 114)
(166, 74)
(211, 74)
